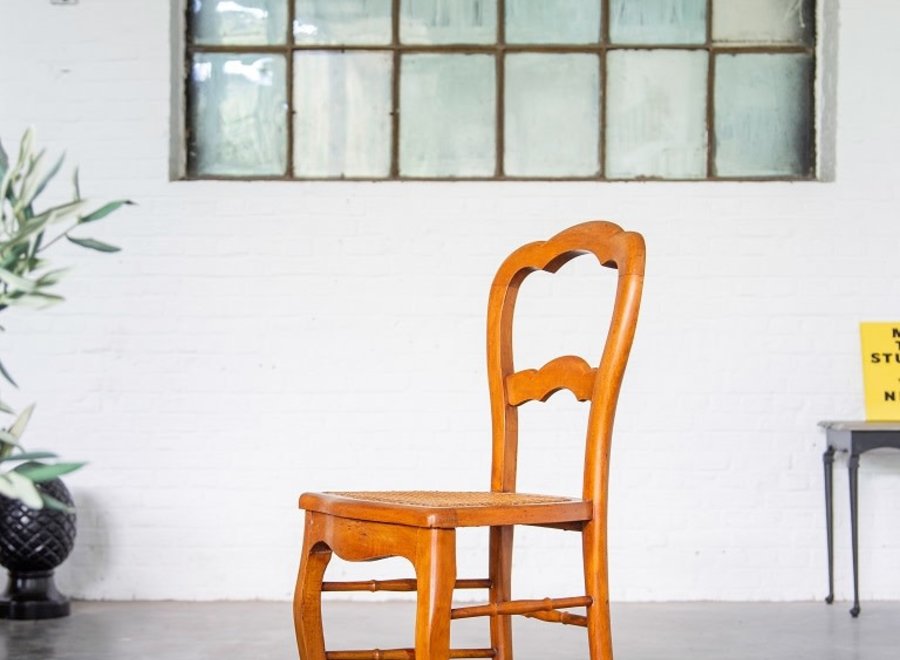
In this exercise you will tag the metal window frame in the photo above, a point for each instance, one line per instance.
(499, 49)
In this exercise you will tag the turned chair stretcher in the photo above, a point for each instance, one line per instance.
(421, 525)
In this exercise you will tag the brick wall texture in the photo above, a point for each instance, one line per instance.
(253, 340)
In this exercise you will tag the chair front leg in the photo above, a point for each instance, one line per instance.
(596, 584)
(435, 565)
(308, 593)
(501, 546)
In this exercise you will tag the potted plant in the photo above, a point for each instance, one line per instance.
(37, 520)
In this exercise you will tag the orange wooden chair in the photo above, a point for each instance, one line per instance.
(421, 525)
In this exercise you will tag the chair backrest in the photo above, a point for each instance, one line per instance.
(614, 248)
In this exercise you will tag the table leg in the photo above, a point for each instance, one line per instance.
(828, 461)
(853, 465)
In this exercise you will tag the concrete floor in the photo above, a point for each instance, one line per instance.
(262, 631)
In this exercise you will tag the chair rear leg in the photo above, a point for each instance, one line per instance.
(308, 593)
(436, 575)
(501, 545)
(596, 584)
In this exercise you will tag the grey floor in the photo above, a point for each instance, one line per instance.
(262, 631)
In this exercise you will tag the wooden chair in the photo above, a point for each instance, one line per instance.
(421, 525)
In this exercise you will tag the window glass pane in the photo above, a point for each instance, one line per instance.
(552, 115)
(238, 21)
(763, 21)
(656, 114)
(552, 21)
(237, 114)
(763, 115)
(657, 21)
(447, 115)
(448, 21)
(342, 114)
(342, 22)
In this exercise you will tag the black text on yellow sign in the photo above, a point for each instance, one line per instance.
(881, 370)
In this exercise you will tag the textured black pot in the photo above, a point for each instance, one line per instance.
(32, 544)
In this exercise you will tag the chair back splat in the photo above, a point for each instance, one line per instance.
(613, 248)
(421, 525)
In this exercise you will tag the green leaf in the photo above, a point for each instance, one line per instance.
(28, 456)
(61, 211)
(16, 282)
(13, 260)
(52, 503)
(6, 409)
(25, 147)
(24, 490)
(93, 244)
(7, 488)
(41, 472)
(5, 374)
(4, 159)
(6, 185)
(37, 300)
(48, 176)
(104, 211)
(18, 427)
(52, 277)
(75, 185)
(8, 438)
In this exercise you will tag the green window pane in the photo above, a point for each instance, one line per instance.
(552, 21)
(342, 22)
(342, 114)
(552, 115)
(234, 22)
(763, 21)
(764, 115)
(657, 21)
(447, 115)
(656, 114)
(238, 108)
(448, 21)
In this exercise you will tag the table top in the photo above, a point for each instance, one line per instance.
(860, 426)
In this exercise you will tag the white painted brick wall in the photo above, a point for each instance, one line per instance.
(254, 340)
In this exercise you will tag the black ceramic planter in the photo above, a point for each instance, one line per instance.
(32, 544)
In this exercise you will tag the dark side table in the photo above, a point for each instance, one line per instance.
(854, 439)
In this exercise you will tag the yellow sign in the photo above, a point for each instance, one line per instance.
(881, 370)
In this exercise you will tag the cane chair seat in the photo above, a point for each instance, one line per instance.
(449, 509)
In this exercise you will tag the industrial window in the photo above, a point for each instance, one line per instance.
(500, 89)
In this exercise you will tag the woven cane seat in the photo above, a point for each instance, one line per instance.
(429, 508)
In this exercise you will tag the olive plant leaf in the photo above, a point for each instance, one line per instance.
(7, 487)
(16, 282)
(41, 472)
(18, 427)
(4, 160)
(6, 184)
(28, 456)
(93, 244)
(37, 300)
(8, 438)
(5, 374)
(51, 277)
(23, 489)
(6, 409)
(75, 185)
(104, 211)
(25, 147)
(52, 172)
(52, 503)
